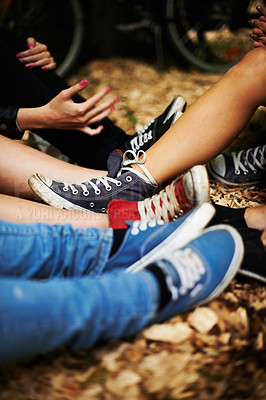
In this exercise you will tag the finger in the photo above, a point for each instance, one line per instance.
(72, 90)
(38, 59)
(36, 52)
(92, 132)
(92, 101)
(50, 66)
(257, 32)
(101, 116)
(261, 9)
(31, 42)
(95, 111)
(258, 24)
(258, 44)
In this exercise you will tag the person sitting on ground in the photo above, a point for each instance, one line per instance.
(34, 97)
(60, 286)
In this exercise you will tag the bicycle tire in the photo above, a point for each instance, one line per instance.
(215, 50)
(59, 24)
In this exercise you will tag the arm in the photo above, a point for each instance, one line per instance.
(62, 113)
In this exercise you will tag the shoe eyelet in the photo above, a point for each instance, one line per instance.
(91, 205)
(109, 188)
(237, 172)
(128, 179)
(118, 183)
(65, 189)
(86, 193)
(97, 191)
(254, 172)
(103, 210)
(75, 191)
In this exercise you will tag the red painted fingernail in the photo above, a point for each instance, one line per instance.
(102, 127)
(30, 46)
(18, 55)
(27, 65)
(108, 90)
(112, 108)
(116, 100)
(83, 83)
(44, 67)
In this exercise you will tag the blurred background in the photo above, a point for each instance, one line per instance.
(209, 35)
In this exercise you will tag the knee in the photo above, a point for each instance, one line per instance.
(252, 66)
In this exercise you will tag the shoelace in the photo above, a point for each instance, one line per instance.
(141, 138)
(244, 155)
(161, 205)
(106, 180)
(189, 267)
(140, 226)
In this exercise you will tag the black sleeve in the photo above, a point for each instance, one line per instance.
(8, 127)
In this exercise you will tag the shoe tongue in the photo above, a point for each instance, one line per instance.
(114, 163)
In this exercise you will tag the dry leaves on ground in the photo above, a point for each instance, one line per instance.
(216, 351)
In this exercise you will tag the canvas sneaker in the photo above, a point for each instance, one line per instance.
(184, 193)
(145, 242)
(150, 133)
(200, 270)
(122, 182)
(240, 168)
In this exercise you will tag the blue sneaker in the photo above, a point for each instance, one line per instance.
(147, 241)
(201, 270)
(122, 182)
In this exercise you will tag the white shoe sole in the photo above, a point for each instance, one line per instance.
(48, 196)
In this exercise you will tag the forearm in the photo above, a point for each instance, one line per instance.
(33, 118)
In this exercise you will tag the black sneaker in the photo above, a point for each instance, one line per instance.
(150, 133)
(241, 168)
(122, 182)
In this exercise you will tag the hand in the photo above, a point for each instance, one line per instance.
(259, 31)
(62, 113)
(37, 56)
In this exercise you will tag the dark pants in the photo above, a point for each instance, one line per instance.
(33, 88)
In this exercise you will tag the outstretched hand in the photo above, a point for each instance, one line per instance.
(62, 113)
(36, 56)
(259, 31)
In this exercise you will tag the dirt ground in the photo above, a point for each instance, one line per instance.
(215, 351)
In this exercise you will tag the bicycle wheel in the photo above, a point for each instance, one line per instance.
(205, 34)
(58, 24)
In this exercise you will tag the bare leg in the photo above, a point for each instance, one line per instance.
(17, 210)
(18, 162)
(213, 121)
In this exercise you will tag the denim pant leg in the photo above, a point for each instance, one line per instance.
(36, 317)
(40, 251)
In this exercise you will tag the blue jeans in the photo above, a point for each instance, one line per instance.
(54, 290)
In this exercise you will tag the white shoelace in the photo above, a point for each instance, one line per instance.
(141, 138)
(245, 154)
(106, 180)
(140, 226)
(189, 267)
(161, 205)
